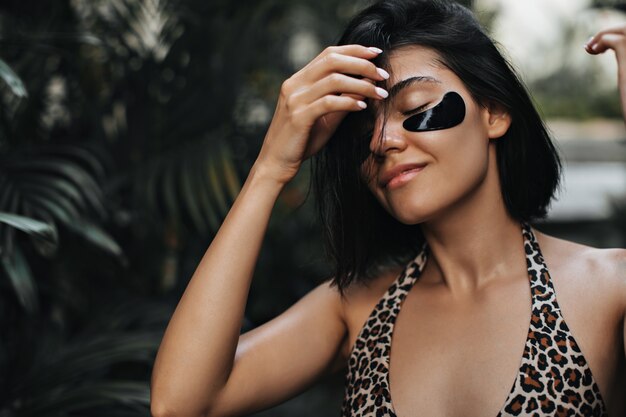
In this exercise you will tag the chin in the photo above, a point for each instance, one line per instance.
(412, 213)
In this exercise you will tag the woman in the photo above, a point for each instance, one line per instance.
(430, 162)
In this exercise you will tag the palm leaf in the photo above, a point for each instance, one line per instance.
(89, 358)
(31, 226)
(13, 81)
(8, 203)
(55, 187)
(44, 247)
(82, 227)
(77, 377)
(64, 188)
(52, 208)
(194, 186)
(97, 236)
(81, 155)
(36, 192)
(17, 270)
(66, 169)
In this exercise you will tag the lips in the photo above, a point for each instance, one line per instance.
(398, 170)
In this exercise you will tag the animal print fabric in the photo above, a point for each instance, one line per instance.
(554, 378)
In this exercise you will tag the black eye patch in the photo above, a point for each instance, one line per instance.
(448, 113)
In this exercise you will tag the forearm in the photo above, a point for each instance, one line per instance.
(196, 356)
(197, 351)
(621, 77)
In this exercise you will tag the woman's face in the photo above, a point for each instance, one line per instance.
(421, 169)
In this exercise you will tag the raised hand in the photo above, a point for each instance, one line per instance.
(313, 102)
(614, 39)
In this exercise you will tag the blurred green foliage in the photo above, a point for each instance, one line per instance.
(574, 91)
(126, 130)
(567, 94)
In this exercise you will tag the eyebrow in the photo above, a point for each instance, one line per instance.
(401, 85)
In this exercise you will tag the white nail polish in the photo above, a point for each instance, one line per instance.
(374, 49)
(381, 92)
(361, 104)
(382, 73)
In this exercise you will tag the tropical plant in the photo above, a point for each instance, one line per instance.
(101, 370)
(54, 187)
(119, 132)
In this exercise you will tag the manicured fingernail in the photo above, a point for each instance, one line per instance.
(382, 73)
(381, 92)
(361, 104)
(375, 49)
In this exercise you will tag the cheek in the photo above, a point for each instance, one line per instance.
(459, 163)
(461, 174)
(464, 157)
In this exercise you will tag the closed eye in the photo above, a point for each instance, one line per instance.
(415, 110)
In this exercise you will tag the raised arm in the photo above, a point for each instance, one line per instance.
(204, 367)
(615, 39)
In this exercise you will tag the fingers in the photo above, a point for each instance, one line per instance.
(358, 51)
(329, 104)
(313, 101)
(611, 38)
(345, 59)
(616, 30)
(327, 74)
(608, 41)
(323, 86)
(336, 83)
(345, 64)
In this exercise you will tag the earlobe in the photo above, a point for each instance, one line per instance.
(499, 121)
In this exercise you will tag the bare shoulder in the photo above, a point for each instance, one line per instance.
(360, 298)
(592, 269)
(366, 294)
(354, 300)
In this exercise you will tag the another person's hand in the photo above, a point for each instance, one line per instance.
(615, 39)
(313, 102)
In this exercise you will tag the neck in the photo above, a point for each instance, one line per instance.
(474, 243)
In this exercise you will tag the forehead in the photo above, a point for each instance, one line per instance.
(423, 65)
(417, 74)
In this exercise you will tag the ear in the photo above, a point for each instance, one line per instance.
(498, 120)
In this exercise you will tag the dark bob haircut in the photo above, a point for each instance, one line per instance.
(361, 237)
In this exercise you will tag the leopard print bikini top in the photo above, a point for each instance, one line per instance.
(553, 379)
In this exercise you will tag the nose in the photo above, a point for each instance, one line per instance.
(388, 138)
